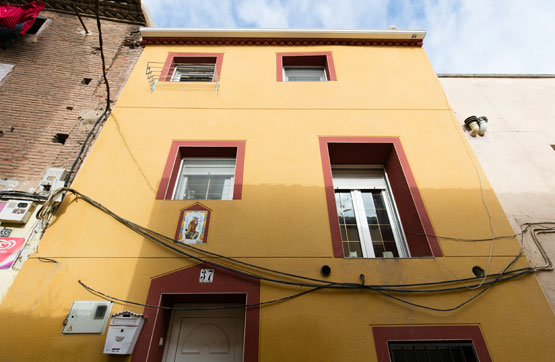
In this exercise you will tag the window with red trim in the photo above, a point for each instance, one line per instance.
(192, 67)
(203, 170)
(372, 175)
(305, 67)
(430, 343)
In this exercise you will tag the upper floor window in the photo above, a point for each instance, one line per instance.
(305, 67)
(368, 218)
(205, 179)
(192, 67)
(304, 74)
(203, 170)
(191, 72)
(374, 212)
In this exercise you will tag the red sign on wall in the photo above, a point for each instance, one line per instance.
(9, 248)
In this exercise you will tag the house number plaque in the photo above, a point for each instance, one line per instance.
(206, 276)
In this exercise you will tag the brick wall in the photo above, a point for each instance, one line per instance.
(44, 93)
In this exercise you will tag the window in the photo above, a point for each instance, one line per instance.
(441, 351)
(203, 170)
(305, 67)
(304, 74)
(201, 72)
(367, 214)
(205, 179)
(37, 25)
(453, 343)
(192, 67)
(401, 225)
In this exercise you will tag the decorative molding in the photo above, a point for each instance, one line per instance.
(281, 42)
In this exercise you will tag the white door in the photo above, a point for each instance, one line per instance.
(205, 336)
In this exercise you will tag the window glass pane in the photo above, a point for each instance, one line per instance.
(348, 225)
(387, 233)
(421, 355)
(305, 74)
(196, 187)
(352, 250)
(397, 355)
(375, 233)
(362, 196)
(432, 351)
(206, 179)
(369, 208)
(389, 246)
(193, 72)
(445, 355)
(378, 201)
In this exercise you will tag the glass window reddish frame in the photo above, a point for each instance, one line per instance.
(385, 334)
(386, 151)
(324, 59)
(173, 58)
(180, 149)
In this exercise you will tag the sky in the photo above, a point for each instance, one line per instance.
(463, 36)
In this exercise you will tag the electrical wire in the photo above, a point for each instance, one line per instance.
(23, 195)
(106, 109)
(381, 289)
(238, 306)
(465, 239)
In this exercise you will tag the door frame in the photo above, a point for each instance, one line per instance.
(183, 286)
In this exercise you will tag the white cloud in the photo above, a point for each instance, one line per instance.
(495, 36)
(192, 13)
(463, 36)
(262, 13)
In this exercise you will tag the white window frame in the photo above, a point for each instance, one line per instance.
(176, 76)
(295, 67)
(361, 183)
(180, 183)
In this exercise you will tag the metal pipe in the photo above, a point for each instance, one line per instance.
(79, 16)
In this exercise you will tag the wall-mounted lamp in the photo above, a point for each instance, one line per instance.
(476, 125)
(483, 122)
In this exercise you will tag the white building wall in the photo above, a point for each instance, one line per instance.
(517, 151)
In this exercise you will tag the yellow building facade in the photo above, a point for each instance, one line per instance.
(324, 166)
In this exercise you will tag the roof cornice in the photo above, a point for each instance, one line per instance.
(184, 36)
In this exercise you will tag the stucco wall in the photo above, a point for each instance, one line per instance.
(281, 220)
(516, 152)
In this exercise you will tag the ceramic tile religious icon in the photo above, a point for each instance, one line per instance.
(193, 225)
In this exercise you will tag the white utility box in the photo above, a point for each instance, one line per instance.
(123, 332)
(16, 211)
(53, 179)
(87, 316)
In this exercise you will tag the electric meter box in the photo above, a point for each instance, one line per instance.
(123, 332)
(87, 316)
(53, 179)
(16, 211)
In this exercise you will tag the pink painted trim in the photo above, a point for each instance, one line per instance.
(337, 245)
(330, 67)
(196, 206)
(165, 189)
(422, 213)
(167, 70)
(184, 283)
(382, 335)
